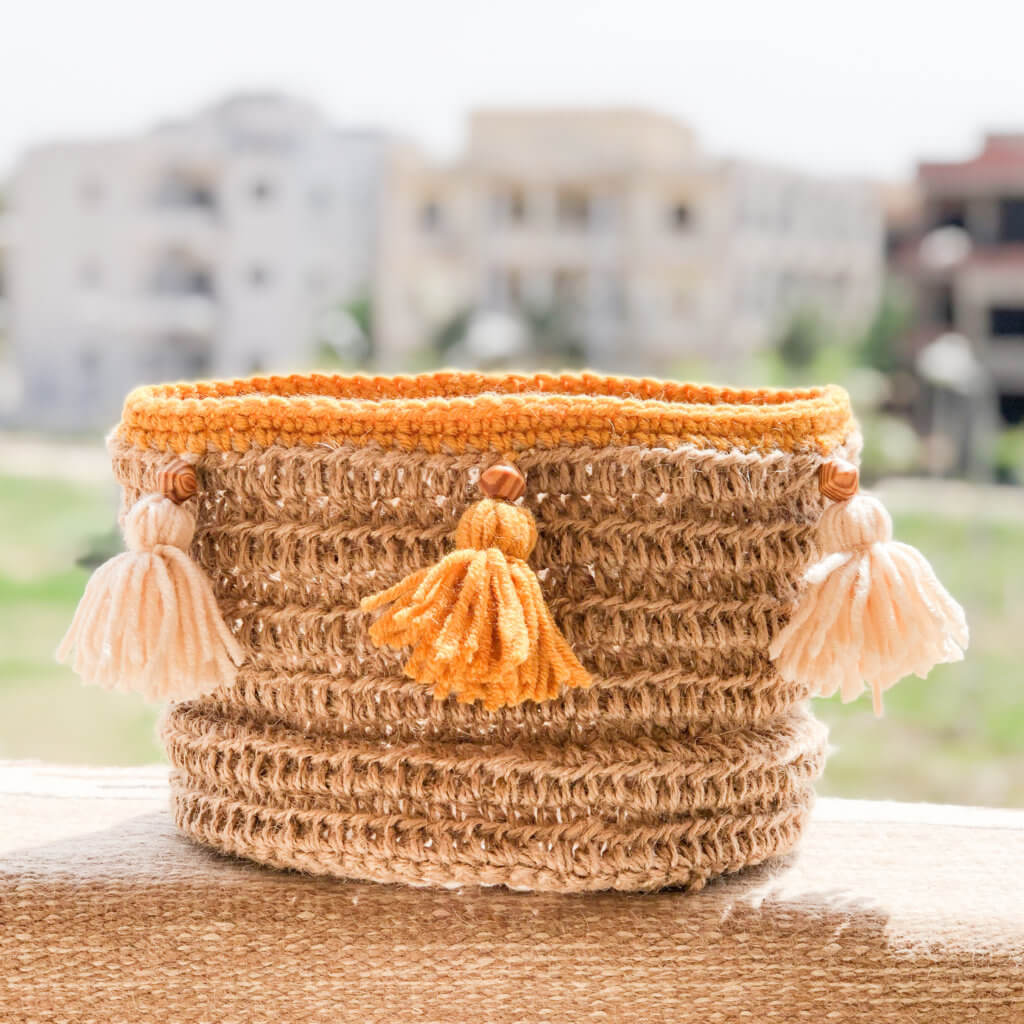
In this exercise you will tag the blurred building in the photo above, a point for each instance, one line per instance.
(206, 246)
(797, 243)
(616, 226)
(9, 381)
(4, 228)
(901, 204)
(966, 261)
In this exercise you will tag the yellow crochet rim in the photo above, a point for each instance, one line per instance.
(457, 412)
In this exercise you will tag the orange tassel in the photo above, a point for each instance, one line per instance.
(477, 622)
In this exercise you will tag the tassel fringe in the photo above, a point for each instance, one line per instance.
(477, 622)
(148, 620)
(872, 612)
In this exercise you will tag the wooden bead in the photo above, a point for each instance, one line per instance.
(503, 481)
(838, 479)
(177, 481)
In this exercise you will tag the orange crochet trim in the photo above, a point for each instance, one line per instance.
(471, 411)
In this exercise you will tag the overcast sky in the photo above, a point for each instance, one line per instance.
(861, 88)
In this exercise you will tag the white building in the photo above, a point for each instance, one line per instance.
(9, 380)
(796, 242)
(206, 246)
(656, 251)
(3, 279)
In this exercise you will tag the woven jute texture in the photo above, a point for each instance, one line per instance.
(668, 570)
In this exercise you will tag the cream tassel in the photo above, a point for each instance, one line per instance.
(872, 612)
(148, 620)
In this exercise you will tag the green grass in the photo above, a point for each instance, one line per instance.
(45, 527)
(956, 737)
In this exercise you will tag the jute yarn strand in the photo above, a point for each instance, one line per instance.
(669, 571)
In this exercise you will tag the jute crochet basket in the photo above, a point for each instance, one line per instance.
(674, 524)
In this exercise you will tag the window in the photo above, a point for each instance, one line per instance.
(316, 282)
(1006, 321)
(1011, 408)
(609, 294)
(1011, 220)
(573, 208)
(199, 282)
(680, 217)
(785, 212)
(259, 276)
(509, 207)
(570, 288)
(197, 363)
(494, 288)
(201, 195)
(90, 274)
(945, 305)
(514, 287)
(604, 212)
(261, 190)
(762, 291)
(320, 198)
(186, 187)
(950, 213)
(179, 273)
(181, 353)
(682, 301)
(91, 191)
(789, 288)
(430, 215)
(517, 207)
(503, 288)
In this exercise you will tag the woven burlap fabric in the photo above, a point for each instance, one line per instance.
(887, 914)
(668, 571)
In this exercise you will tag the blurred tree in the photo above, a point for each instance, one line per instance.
(101, 548)
(880, 346)
(361, 311)
(801, 341)
(451, 332)
(553, 336)
(345, 334)
(1009, 456)
(891, 446)
(549, 332)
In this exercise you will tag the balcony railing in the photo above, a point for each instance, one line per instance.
(887, 913)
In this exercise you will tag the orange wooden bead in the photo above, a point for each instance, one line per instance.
(177, 481)
(838, 479)
(503, 481)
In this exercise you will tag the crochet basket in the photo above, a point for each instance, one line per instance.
(674, 524)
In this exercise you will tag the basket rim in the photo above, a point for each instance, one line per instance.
(464, 411)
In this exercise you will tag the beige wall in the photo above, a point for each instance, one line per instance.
(512, 229)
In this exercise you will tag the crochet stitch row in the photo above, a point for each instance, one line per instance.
(457, 412)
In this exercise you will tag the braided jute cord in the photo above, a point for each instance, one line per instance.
(669, 569)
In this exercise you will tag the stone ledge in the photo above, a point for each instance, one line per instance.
(889, 912)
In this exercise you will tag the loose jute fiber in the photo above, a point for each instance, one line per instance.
(673, 527)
